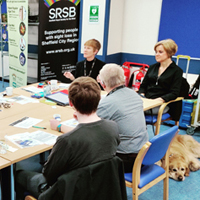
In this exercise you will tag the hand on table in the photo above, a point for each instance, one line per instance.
(160, 99)
(54, 124)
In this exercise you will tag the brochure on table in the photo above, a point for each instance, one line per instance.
(27, 139)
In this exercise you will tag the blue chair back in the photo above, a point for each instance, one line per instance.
(159, 146)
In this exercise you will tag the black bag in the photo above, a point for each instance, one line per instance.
(195, 89)
(184, 92)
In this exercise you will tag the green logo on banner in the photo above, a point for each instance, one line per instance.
(94, 14)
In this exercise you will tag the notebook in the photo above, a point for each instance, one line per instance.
(59, 97)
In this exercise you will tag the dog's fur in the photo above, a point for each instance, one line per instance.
(183, 157)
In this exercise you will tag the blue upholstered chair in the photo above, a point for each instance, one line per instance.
(145, 172)
(156, 120)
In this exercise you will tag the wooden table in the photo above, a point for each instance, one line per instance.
(39, 111)
(150, 103)
(46, 113)
(4, 163)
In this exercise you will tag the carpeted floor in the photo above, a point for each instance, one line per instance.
(185, 190)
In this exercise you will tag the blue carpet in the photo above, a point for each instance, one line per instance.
(185, 190)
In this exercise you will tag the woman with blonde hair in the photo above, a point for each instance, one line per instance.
(164, 78)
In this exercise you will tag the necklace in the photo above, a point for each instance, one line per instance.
(90, 69)
(157, 80)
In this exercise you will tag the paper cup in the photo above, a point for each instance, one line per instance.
(57, 117)
(9, 91)
(54, 84)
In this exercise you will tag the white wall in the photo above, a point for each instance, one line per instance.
(138, 26)
(91, 30)
(141, 26)
(115, 27)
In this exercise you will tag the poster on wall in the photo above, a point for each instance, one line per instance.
(58, 38)
(17, 14)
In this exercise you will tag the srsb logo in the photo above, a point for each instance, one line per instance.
(60, 13)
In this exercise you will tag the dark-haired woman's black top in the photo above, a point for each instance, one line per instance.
(95, 70)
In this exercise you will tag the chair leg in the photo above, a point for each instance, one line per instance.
(135, 197)
(157, 128)
(135, 194)
(166, 188)
(177, 123)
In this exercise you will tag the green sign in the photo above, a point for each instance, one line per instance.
(94, 14)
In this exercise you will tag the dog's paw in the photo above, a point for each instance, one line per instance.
(194, 166)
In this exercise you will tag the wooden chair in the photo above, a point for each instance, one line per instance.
(145, 172)
(156, 120)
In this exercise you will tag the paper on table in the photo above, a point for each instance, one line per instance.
(71, 122)
(28, 139)
(64, 85)
(23, 140)
(33, 89)
(23, 99)
(8, 147)
(42, 136)
(26, 122)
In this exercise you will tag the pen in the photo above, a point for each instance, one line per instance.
(39, 127)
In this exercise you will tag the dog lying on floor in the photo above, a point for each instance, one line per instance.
(183, 157)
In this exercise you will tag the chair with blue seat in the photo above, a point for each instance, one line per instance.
(146, 173)
(156, 120)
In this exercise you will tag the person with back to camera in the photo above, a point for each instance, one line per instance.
(93, 140)
(163, 79)
(91, 65)
(124, 106)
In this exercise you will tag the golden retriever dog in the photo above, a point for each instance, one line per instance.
(183, 157)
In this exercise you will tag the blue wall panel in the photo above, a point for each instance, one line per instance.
(180, 22)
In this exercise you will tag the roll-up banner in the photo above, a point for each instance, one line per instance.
(58, 38)
(17, 13)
